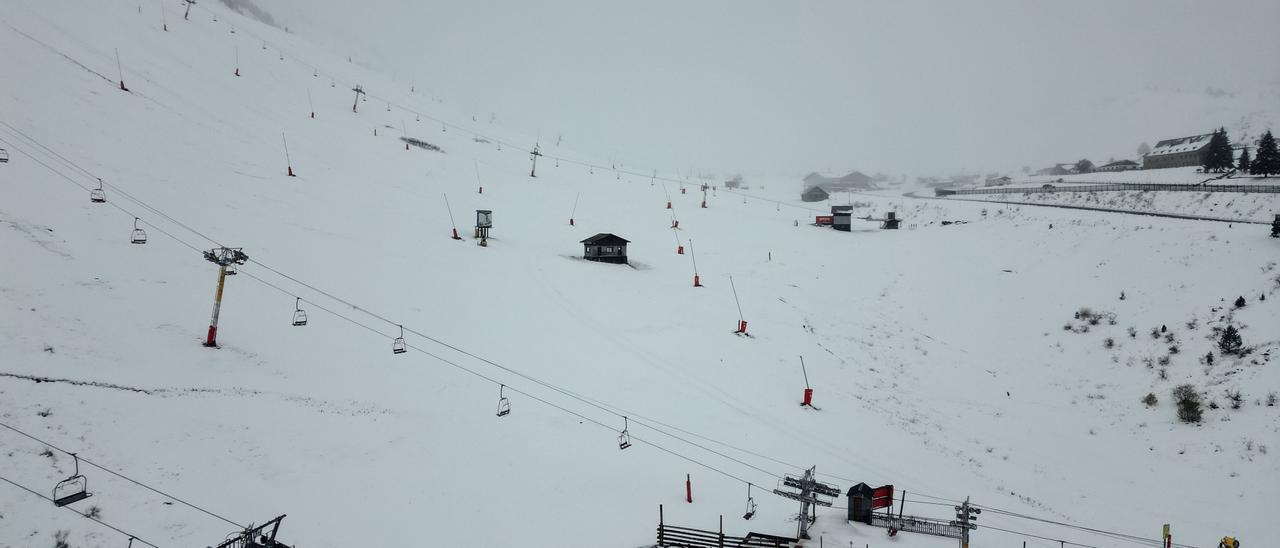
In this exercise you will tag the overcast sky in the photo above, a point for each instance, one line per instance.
(791, 86)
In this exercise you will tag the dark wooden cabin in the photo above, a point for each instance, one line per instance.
(605, 248)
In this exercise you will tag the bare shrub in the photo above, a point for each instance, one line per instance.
(1188, 402)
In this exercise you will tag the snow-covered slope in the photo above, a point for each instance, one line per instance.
(937, 352)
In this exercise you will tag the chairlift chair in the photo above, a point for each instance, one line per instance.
(72, 489)
(138, 236)
(397, 346)
(97, 195)
(504, 405)
(624, 438)
(4, 156)
(299, 315)
(751, 505)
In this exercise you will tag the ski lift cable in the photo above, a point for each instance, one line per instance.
(571, 394)
(111, 203)
(115, 189)
(119, 475)
(81, 514)
(1030, 535)
(567, 160)
(383, 318)
(520, 148)
(1112, 534)
(531, 396)
(535, 380)
(525, 393)
(594, 403)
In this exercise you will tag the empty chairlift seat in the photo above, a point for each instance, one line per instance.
(73, 489)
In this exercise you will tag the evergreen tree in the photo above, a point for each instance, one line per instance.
(1266, 161)
(1230, 342)
(1084, 166)
(1218, 158)
(1243, 163)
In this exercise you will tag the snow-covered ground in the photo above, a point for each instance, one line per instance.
(945, 357)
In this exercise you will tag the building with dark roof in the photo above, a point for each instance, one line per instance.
(1119, 165)
(814, 194)
(1180, 152)
(605, 248)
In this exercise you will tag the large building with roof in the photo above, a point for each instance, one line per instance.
(1180, 152)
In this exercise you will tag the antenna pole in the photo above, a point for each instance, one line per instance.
(575, 208)
(120, 71)
(287, 161)
(696, 281)
(451, 222)
(311, 104)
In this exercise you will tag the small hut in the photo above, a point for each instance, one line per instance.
(605, 248)
(814, 194)
(842, 218)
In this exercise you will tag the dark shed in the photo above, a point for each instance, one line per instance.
(814, 194)
(606, 248)
(860, 502)
(865, 499)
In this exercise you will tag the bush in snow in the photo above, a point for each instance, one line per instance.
(1235, 398)
(1208, 358)
(1173, 349)
(1151, 400)
(1188, 402)
(93, 512)
(1271, 399)
(1230, 342)
(1108, 343)
(1133, 332)
(1240, 302)
(60, 539)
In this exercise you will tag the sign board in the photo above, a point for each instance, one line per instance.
(822, 220)
(882, 497)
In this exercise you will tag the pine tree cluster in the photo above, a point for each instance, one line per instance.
(1219, 157)
(1266, 161)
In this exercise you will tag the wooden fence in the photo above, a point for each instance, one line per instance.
(688, 537)
(1112, 187)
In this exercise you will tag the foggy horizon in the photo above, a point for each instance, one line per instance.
(760, 88)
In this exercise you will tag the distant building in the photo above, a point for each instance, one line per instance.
(814, 194)
(998, 181)
(1119, 165)
(605, 248)
(1180, 152)
(854, 180)
(1058, 169)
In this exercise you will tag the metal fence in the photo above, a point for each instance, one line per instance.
(1113, 187)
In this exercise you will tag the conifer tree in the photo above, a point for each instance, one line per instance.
(1218, 158)
(1266, 161)
(1243, 163)
(1230, 342)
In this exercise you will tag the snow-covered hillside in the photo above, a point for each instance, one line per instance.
(939, 354)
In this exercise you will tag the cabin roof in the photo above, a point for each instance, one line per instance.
(604, 238)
